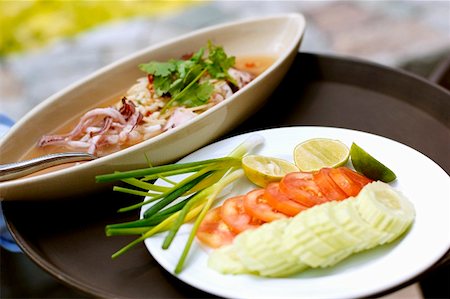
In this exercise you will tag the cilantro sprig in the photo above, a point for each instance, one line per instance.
(180, 79)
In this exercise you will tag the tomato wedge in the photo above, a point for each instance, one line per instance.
(300, 186)
(344, 182)
(328, 187)
(255, 204)
(234, 215)
(213, 232)
(280, 201)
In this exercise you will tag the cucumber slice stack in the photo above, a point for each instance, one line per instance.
(269, 260)
(386, 210)
(321, 236)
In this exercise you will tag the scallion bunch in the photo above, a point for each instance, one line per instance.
(176, 202)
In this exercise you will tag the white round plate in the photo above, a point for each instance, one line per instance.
(371, 272)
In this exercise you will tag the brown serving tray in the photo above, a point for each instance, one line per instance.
(66, 237)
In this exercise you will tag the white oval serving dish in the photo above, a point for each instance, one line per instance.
(277, 36)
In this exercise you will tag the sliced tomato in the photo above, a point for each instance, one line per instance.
(328, 187)
(280, 201)
(300, 186)
(256, 205)
(344, 182)
(356, 177)
(234, 215)
(213, 232)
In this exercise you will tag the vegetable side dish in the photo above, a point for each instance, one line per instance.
(305, 219)
(321, 236)
(171, 94)
(295, 193)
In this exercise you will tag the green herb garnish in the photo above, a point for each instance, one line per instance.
(180, 79)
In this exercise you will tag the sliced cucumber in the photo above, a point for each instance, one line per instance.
(225, 260)
(332, 234)
(385, 209)
(260, 251)
(347, 216)
(303, 241)
(339, 236)
(320, 236)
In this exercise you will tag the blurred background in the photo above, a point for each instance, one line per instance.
(47, 45)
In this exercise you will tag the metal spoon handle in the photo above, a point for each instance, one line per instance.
(19, 169)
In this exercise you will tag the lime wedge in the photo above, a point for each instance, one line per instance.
(316, 153)
(262, 170)
(369, 166)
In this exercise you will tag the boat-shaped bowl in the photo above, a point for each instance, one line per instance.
(276, 36)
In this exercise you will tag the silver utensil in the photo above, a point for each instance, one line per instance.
(19, 169)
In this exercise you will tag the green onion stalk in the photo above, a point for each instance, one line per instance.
(181, 201)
